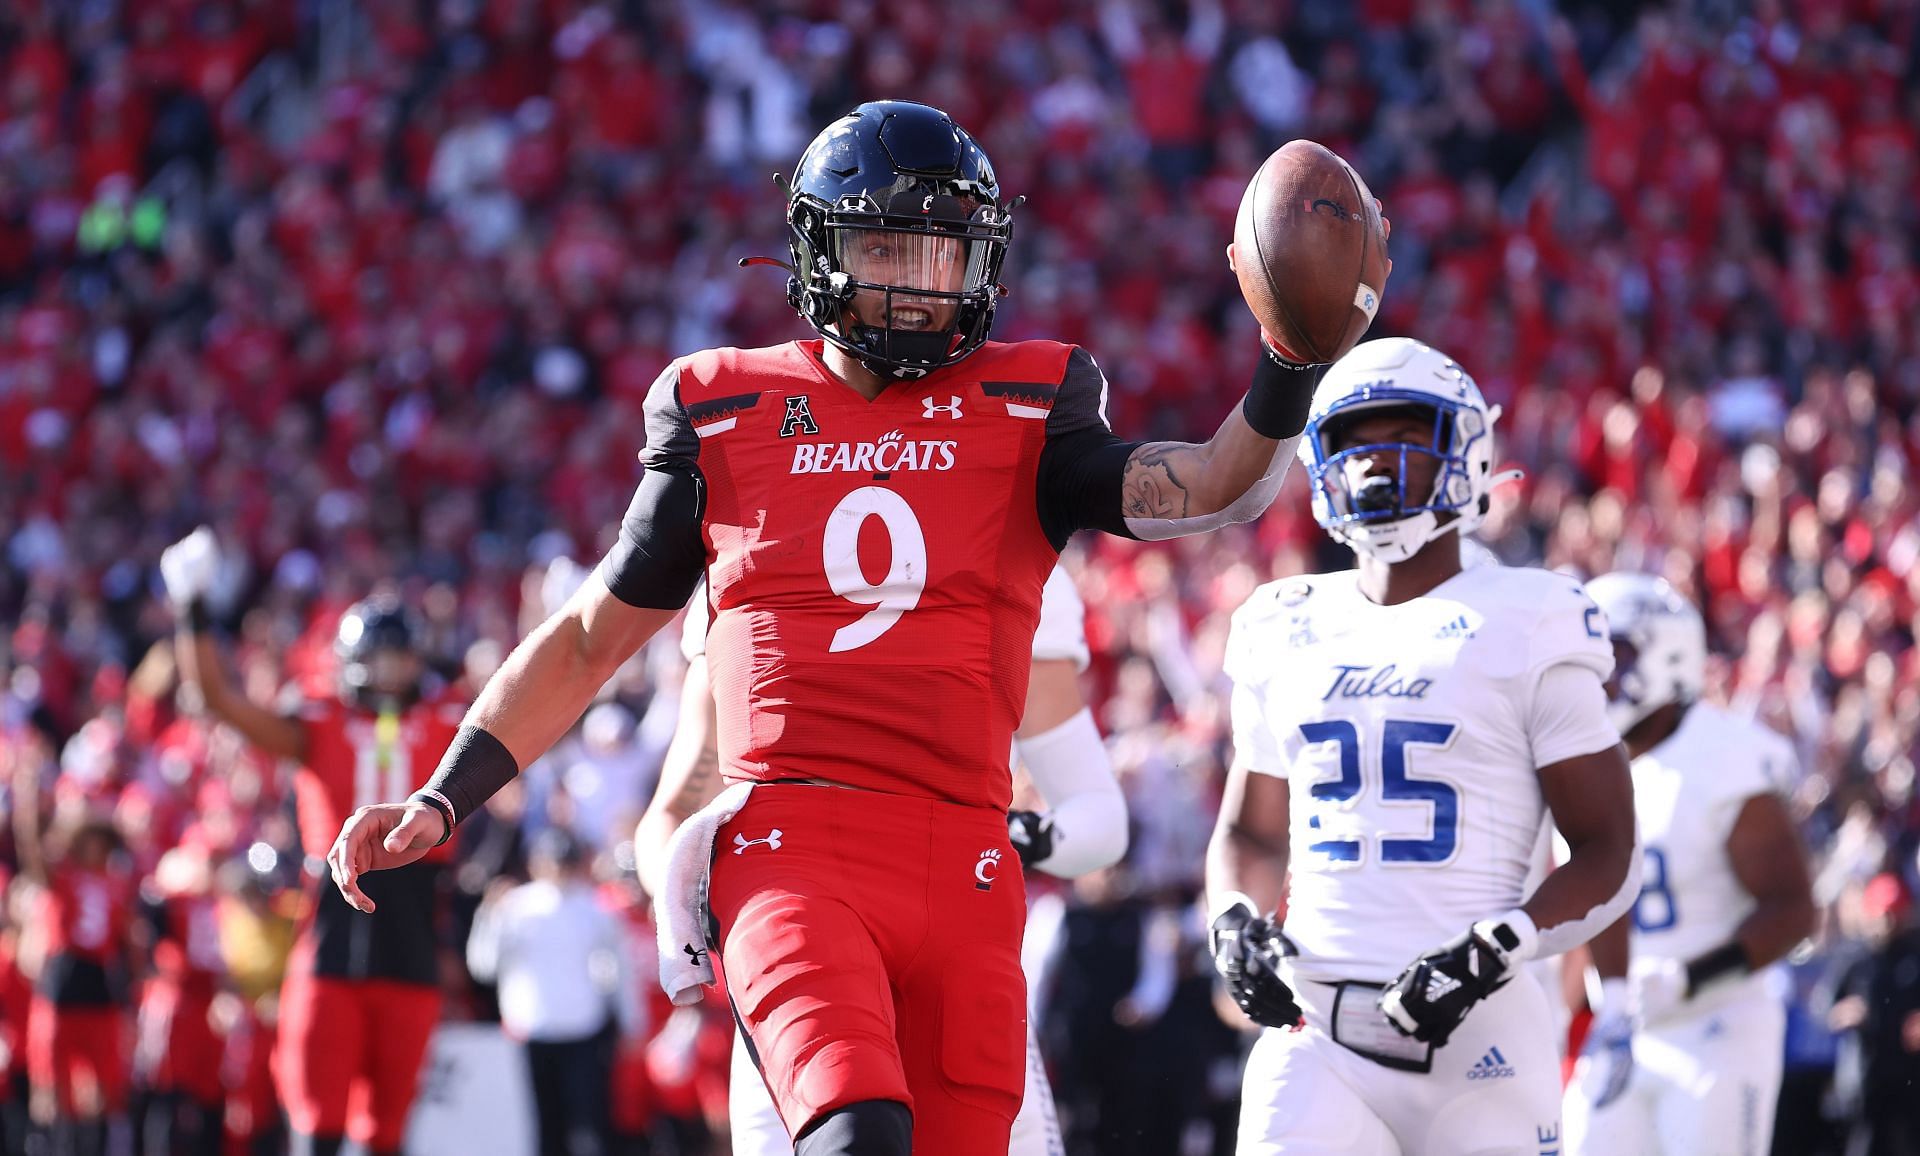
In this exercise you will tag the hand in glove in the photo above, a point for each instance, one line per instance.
(188, 567)
(1247, 952)
(1659, 987)
(1435, 993)
(1605, 1066)
(1032, 835)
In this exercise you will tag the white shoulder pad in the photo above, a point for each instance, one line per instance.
(1258, 624)
(693, 628)
(1062, 632)
(1568, 626)
(1753, 759)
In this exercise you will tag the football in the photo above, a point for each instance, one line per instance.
(1310, 251)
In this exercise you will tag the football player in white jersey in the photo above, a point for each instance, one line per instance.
(1402, 733)
(1684, 1056)
(1083, 829)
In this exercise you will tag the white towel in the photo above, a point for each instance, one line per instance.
(678, 914)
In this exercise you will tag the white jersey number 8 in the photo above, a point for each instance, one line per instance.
(906, 577)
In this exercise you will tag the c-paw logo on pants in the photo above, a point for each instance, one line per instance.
(987, 869)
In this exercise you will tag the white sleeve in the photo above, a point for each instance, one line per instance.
(1063, 622)
(1568, 628)
(1254, 742)
(1071, 770)
(1567, 717)
(1770, 768)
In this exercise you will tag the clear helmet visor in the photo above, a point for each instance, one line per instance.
(910, 279)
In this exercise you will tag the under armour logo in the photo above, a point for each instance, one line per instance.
(741, 842)
(799, 418)
(698, 956)
(951, 409)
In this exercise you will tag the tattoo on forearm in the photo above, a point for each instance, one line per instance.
(1151, 488)
(697, 789)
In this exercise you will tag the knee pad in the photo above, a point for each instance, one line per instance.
(868, 1128)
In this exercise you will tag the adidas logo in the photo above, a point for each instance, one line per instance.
(1458, 628)
(1440, 985)
(1492, 1066)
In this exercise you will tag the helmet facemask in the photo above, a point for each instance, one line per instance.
(1376, 513)
(900, 172)
(1628, 699)
(379, 667)
(904, 293)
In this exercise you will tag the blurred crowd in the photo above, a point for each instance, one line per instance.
(375, 289)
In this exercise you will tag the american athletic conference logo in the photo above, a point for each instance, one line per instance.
(1492, 1066)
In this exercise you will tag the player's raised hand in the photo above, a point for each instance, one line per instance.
(188, 567)
(1247, 952)
(380, 837)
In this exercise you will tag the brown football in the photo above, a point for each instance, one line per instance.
(1310, 251)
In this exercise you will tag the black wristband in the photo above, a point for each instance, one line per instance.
(1727, 959)
(472, 771)
(1280, 397)
(198, 618)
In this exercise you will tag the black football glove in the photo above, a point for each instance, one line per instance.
(1436, 991)
(1246, 953)
(1032, 835)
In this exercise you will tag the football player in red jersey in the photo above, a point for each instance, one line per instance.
(876, 512)
(177, 1053)
(76, 1062)
(361, 995)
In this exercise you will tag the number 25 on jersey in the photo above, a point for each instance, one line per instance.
(1387, 766)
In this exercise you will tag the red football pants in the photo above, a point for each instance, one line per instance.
(178, 1048)
(348, 1057)
(871, 946)
(62, 1042)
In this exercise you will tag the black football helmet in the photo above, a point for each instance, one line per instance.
(898, 187)
(370, 628)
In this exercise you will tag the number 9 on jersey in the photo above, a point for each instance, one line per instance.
(906, 576)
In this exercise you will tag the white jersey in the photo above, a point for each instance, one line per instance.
(1062, 632)
(1410, 736)
(1687, 795)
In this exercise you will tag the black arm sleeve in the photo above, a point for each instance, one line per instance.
(660, 555)
(661, 552)
(1083, 462)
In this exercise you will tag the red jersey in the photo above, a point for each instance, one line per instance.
(86, 915)
(16, 997)
(186, 941)
(874, 568)
(355, 758)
